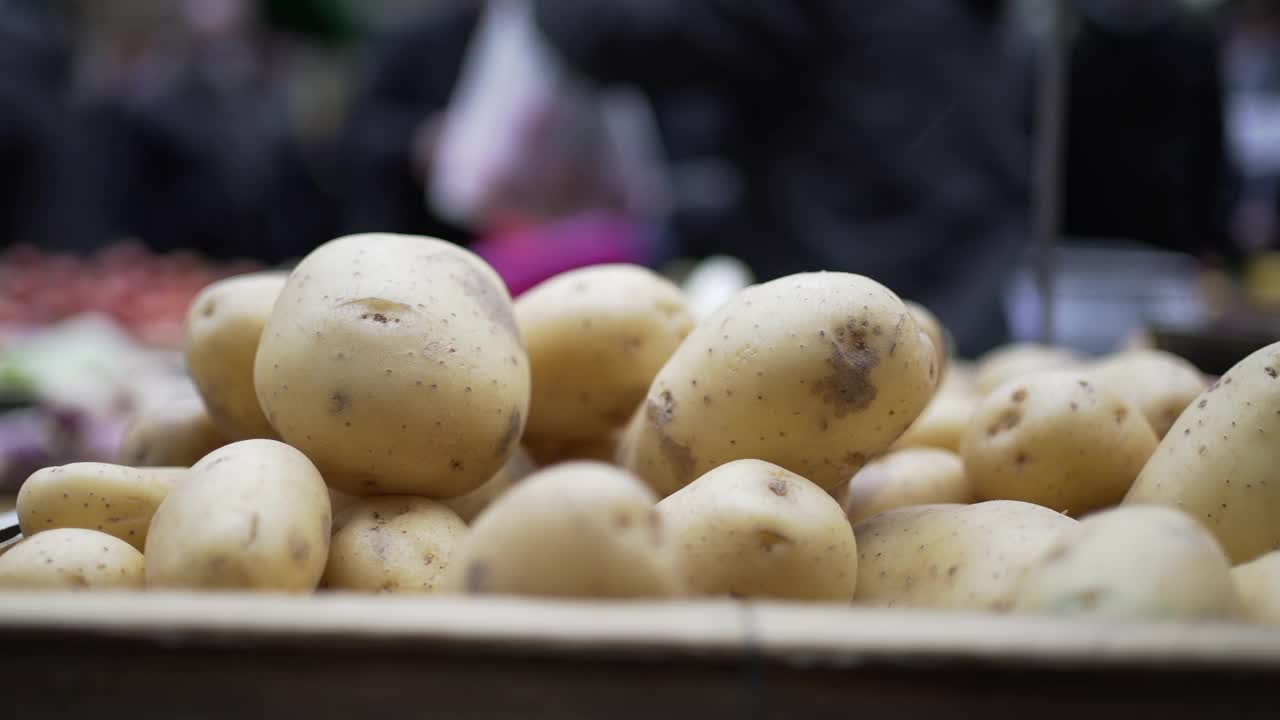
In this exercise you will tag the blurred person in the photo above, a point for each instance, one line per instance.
(886, 139)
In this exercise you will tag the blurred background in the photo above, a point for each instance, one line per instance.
(148, 147)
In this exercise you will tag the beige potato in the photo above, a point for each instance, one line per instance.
(579, 529)
(752, 529)
(932, 326)
(172, 434)
(473, 503)
(816, 372)
(1218, 462)
(1010, 362)
(1258, 582)
(546, 452)
(1132, 562)
(951, 556)
(339, 501)
(224, 325)
(113, 499)
(253, 515)
(1158, 383)
(392, 544)
(71, 559)
(596, 338)
(945, 418)
(395, 364)
(1056, 439)
(912, 476)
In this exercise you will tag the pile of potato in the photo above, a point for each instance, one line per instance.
(385, 419)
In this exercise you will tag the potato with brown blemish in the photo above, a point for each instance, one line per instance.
(224, 325)
(596, 337)
(752, 529)
(1158, 383)
(952, 556)
(911, 476)
(71, 559)
(113, 499)
(392, 544)
(1258, 583)
(1009, 362)
(944, 420)
(473, 503)
(253, 515)
(579, 530)
(1218, 462)
(816, 372)
(1132, 562)
(1056, 439)
(395, 364)
(176, 433)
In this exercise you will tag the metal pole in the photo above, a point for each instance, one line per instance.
(1051, 123)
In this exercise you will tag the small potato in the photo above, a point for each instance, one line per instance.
(596, 337)
(1258, 583)
(1056, 439)
(113, 499)
(932, 326)
(945, 418)
(1132, 562)
(392, 544)
(1218, 462)
(1158, 383)
(172, 434)
(951, 556)
(752, 529)
(579, 529)
(1013, 361)
(224, 325)
(913, 476)
(473, 503)
(71, 559)
(253, 515)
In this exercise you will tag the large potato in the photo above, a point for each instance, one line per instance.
(71, 559)
(253, 515)
(1258, 582)
(1158, 383)
(392, 544)
(932, 326)
(113, 499)
(224, 325)
(579, 529)
(912, 476)
(1218, 462)
(172, 434)
(1010, 362)
(1132, 562)
(596, 337)
(817, 373)
(951, 556)
(395, 364)
(1056, 439)
(750, 528)
(473, 503)
(946, 417)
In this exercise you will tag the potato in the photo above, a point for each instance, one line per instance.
(392, 544)
(945, 418)
(1258, 582)
(1132, 562)
(1158, 383)
(1055, 439)
(596, 338)
(1009, 362)
(394, 363)
(470, 505)
(172, 434)
(545, 452)
(951, 556)
(253, 515)
(339, 501)
(817, 373)
(912, 476)
(1218, 462)
(579, 529)
(752, 529)
(113, 499)
(71, 559)
(224, 325)
(932, 326)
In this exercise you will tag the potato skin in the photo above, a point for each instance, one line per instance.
(580, 529)
(1258, 582)
(71, 559)
(173, 434)
(224, 325)
(596, 337)
(253, 515)
(1158, 383)
(469, 506)
(932, 326)
(816, 373)
(944, 420)
(752, 529)
(911, 476)
(1132, 562)
(1056, 439)
(1218, 461)
(394, 363)
(392, 544)
(113, 499)
(1013, 361)
(951, 556)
